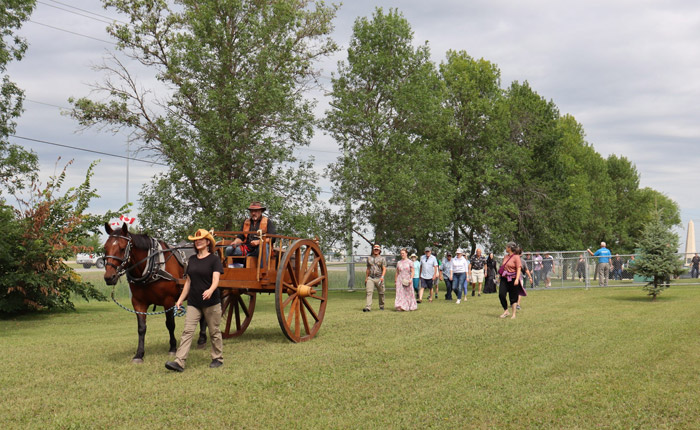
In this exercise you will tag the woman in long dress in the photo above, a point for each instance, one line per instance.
(490, 282)
(405, 296)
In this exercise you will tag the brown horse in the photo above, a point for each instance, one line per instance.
(151, 269)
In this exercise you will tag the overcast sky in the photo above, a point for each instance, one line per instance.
(627, 70)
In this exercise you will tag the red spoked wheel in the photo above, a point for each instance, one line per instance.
(301, 290)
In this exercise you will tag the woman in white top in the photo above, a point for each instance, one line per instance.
(458, 274)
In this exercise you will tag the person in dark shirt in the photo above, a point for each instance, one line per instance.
(696, 267)
(248, 243)
(203, 299)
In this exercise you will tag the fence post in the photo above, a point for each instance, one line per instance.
(588, 278)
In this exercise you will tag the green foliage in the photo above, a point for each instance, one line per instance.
(17, 165)
(385, 108)
(479, 201)
(35, 241)
(658, 258)
(234, 113)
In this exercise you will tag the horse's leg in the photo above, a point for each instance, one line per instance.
(141, 320)
(170, 324)
(202, 341)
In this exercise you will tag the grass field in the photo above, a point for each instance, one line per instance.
(574, 359)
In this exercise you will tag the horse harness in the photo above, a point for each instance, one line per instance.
(155, 262)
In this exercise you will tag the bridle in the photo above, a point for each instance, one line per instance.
(154, 269)
(121, 268)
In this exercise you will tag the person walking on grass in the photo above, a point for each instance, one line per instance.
(525, 273)
(405, 297)
(458, 274)
(510, 272)
(203, 299)
(547, 269)
(603, 254)
(695, 270)
(445, 273)
(416, 274)
(476, 271)
(490, 280)
(374, 278)
(428, 274)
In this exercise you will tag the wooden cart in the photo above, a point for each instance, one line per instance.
(293, 269)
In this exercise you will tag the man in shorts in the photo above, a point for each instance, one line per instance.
(476, 270)
(428, 273)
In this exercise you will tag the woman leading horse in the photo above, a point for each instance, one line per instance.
(151, 269)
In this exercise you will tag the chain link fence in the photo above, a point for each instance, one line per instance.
(549, 269)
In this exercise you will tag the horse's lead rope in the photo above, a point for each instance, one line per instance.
(178, 312)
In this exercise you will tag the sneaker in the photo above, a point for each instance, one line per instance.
(517, 307)
(459, 301)
(171, 365)
(381, 308)
(479, 294)
(365, 309)
(215, 363)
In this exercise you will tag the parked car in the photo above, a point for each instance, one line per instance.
(89, 260)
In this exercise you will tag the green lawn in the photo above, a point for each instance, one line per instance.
(602, 358)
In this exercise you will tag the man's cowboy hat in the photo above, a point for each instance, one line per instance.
(203, 234)
(256, 206)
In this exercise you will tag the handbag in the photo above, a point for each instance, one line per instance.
(405, 282)
(502, 269)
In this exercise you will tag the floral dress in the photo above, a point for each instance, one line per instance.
(405, 297)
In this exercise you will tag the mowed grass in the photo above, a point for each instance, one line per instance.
(602, 358)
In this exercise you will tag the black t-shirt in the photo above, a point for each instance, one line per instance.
(547, 263)
(201, 272)
(696, 261)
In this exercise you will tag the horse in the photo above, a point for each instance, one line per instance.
(152, 272)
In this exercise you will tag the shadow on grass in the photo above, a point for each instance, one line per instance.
(642, 298)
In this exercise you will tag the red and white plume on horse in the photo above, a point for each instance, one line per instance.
(127, 220)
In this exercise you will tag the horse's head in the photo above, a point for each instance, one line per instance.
(117, 252)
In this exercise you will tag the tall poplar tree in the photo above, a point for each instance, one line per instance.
(231, 109)
(385, 113)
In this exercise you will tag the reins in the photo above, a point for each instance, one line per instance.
(178, 312)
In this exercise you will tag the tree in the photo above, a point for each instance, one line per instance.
(17, 165)
(231, 110)
(385, 112)
(35, 241)
(474, 144)
(658, 258)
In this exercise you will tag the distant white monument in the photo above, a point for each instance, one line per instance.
(690, 243)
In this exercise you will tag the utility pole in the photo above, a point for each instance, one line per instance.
(349, 247)
(128, 154)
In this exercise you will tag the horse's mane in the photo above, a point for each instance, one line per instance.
(141, 241)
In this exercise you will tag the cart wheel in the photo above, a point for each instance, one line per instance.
(301, 290)
(234, 305)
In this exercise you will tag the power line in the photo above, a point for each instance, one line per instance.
(103, 153)
(88, 150)
(47, 104)
(86, 11)
(71, 32)
(75, 13)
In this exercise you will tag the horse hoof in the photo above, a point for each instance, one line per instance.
(201, 345)
(137, 361)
